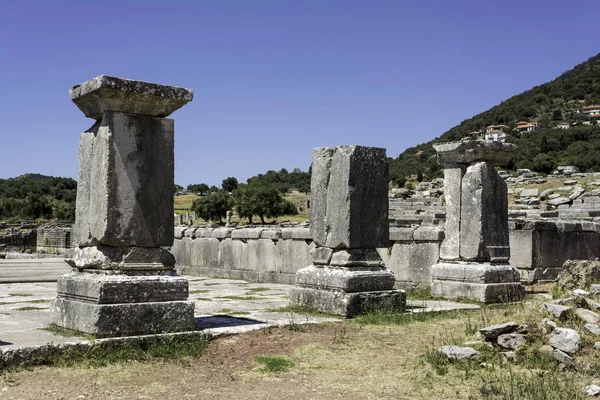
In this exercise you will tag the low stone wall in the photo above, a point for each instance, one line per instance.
(54, 240)
(539, 248)
(275, 254)
(18, 241)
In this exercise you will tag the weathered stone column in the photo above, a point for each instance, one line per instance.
(123, 282)
(475, 252)
(348, 222)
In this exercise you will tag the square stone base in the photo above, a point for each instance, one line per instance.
(125, 319)
(348, 304)
(482, 292)
(105, 304)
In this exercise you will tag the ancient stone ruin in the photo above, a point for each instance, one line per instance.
(123, 282)
(475, 252)
(348, 222)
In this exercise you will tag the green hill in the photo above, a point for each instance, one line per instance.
(542, 150)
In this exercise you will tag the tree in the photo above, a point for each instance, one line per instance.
(213, 207)
(229, 184)
(543, 163)
(213, 189)
(261, 200)
(177, 188)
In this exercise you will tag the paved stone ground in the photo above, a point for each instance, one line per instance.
(223, 306)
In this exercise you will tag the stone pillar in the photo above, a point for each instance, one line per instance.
(348, 222)
(123, 280)
(475, 252)
(228, 218)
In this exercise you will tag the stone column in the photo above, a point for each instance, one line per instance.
(475, 252)
(123, 280)
(348, 222)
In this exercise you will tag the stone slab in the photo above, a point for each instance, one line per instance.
(450, 249)
(482, 292)
(349, 280)
(348, 304)
(108, 93)
(110, 289)
(469, 151)
(105, 320)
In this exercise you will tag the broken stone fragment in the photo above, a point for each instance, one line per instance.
(459, 353)
(563, 357)
(587, 315)
(566, 340)
(511, 341)
(592, 328)
(492, 332)
(559, 311)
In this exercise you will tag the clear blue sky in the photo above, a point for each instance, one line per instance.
(274, 79)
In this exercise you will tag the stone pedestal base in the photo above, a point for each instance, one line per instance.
(484, 282)
(347, 291)
(106, 304)
(348, 304)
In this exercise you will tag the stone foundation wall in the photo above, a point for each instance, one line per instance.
(539, 248)
(54, 240)
(18, 241)
(275, 254)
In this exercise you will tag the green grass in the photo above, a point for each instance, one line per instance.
(225, 311)
(258, 289)
(240, 298)
(20, 294)
(301, 310)
(274, 364)
(199, 291)
(384, 317)
(29, 308)
(40, 301)
(421, 293)
(203, 299)
(99, 354)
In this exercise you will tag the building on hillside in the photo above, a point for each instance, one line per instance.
(495, 136)
(525, 126)
(590, 110)
(563, 125)
(493, 128)
(474, 134)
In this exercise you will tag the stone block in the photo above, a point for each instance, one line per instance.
(453, 175)
(123, 258)
(190, 232)
(247, 233)
(356, 258)
(348, 304)
(231, 254)
(204, 253)
(272, 234)
(484, 212)
(118, 288)
(401, 234)
(126, 172)
(301, 234)
(467, 152)
(109, 93)
(292, 255)
(179, 231)
(349, 203)
(222, 233)
(475, 272)
(259, 253)
(348, 280)
(428, 234)
(322, 255)
(105, 320)
(482, 292)
(411, 262)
